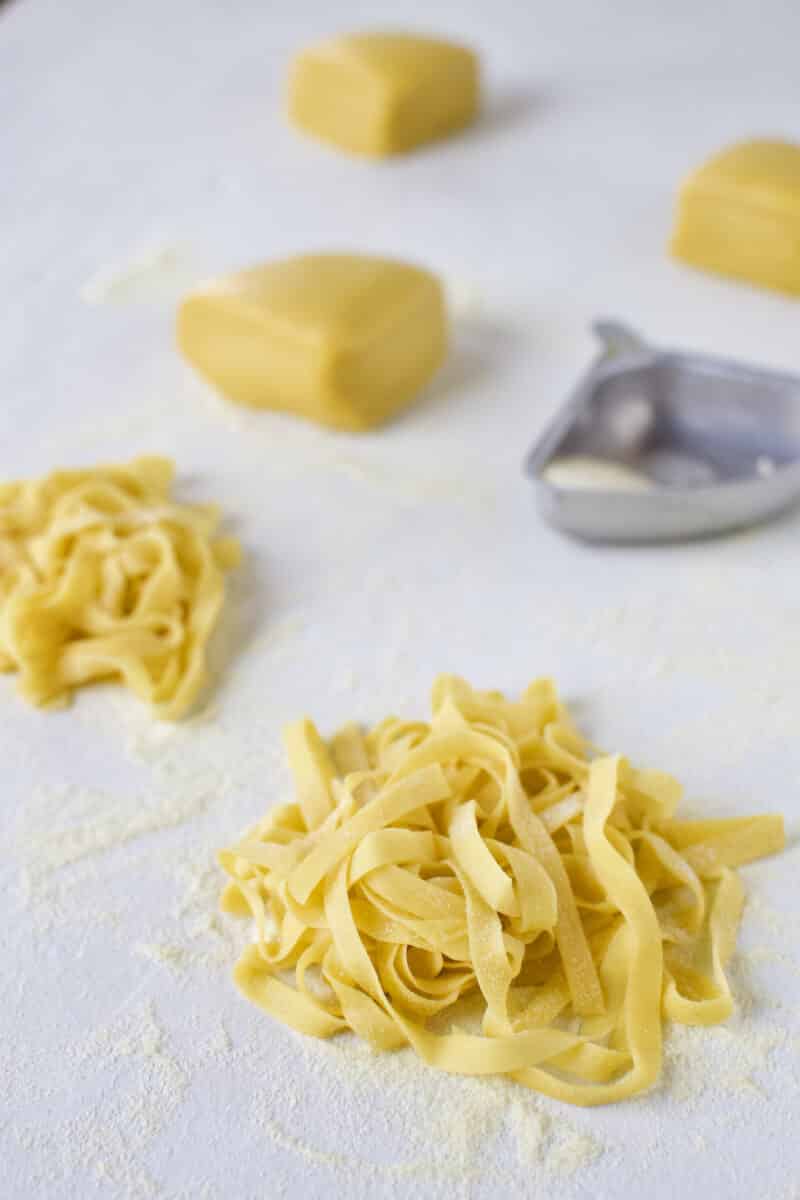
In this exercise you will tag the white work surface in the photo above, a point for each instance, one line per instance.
(154, 131)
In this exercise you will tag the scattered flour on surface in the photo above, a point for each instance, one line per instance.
(131, 1080)
(721, 1061)
(140, 1085)
(197, 936)
(155, 274)
(69, 838)
(446, 1126)
(576, 1151)
(170, 956)
(529, 1130)
(90, 824)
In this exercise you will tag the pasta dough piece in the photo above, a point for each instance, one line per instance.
(739, 215)
(103, 576)
(342, 339)
(383, 93)
(488, 852)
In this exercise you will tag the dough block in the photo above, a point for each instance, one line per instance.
(341, 339)
(739, 215)
(383, 93)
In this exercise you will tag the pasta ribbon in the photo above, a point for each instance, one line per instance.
(490, 853)
(103, 576)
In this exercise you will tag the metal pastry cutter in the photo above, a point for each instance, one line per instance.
(681, 445)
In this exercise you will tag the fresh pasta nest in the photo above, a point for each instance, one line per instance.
(488, 853)
(103, 576)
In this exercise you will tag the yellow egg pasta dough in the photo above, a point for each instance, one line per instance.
(378, 94)
(491, 854)
(104, 576)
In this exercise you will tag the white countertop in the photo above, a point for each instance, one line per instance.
(131, 1065)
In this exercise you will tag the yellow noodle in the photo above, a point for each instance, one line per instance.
(103, 576)
(490, 852)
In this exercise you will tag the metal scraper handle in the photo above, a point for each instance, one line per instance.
(617, 338)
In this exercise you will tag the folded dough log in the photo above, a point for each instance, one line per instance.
(739, 215)
(383, 93)
(342, 339)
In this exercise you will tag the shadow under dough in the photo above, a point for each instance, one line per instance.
(510, 108)
(479, 349)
